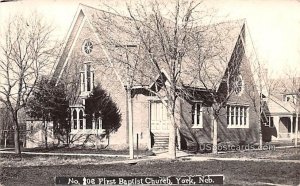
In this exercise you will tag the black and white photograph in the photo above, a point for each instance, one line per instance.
(149, 92)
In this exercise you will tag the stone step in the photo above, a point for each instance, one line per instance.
(161, 141)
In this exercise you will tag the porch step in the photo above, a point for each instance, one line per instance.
(161, 142)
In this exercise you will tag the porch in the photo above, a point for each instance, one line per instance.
(284, 127)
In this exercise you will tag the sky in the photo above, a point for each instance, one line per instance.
(274, 25)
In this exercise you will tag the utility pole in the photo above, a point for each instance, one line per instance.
(130, 120)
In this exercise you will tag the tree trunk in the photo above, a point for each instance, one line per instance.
(172, 138)
(46, 134)
(296, 130)
(17, 139)
(215, 135)
(16, 134)
(5, 138)
(130, 123)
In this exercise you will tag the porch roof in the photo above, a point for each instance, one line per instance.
(276, 106)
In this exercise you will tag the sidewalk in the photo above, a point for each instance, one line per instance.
(65, 154)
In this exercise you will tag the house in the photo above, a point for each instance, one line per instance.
(36, 133)
(88, 59)
(280, 110)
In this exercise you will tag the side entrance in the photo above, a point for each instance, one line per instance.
(159, 126)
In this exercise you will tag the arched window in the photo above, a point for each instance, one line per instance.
(98, 124)
(80, 119)
(74, 119)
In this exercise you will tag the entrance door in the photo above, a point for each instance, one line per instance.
(159, 117)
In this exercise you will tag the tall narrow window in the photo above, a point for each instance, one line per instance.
(74, 119)
(80, 119)
(228, 115)
(82, 81)
(197, 115)
(98, 124)
(241, 115)
(232, 115)
(88, 77)
(237, 115)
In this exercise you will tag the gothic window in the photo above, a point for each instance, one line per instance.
(80, 119)
(74, 119)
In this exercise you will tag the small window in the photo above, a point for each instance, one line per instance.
(270, 122)
(197, 115)
(87, 46)
(237, 116)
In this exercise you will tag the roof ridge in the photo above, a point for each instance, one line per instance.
(104, 11)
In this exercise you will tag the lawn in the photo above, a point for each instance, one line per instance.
(84, 150)
(41, 169)
(235, 172)
(283, 154)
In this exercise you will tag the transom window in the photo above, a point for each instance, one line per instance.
(237, 116)
(87, 46)
(197, 115)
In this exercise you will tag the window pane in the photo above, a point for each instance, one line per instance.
(228, 114)
(198, 113)
(75, 119)
(241, 115)
(245, 117)
(236, 115)
(271, 122)
(88, 74)
(193, 114)
(81, 119)
(232, 115)
(83, 81)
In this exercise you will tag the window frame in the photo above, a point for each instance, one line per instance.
(237, 116)
(87, 50)
(197, 114)
(87, 80)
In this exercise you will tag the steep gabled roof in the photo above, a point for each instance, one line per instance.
(219, 41)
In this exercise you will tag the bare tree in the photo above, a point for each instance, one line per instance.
(292, 88)
(26, 52)
(172, 58)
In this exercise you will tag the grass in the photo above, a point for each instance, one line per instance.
(85, 150)
(284, 154)
(41, 169)
(11, 160)
(235, 172)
